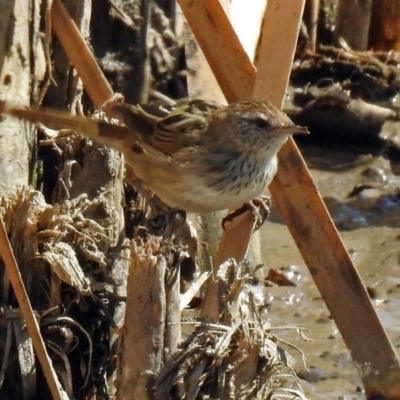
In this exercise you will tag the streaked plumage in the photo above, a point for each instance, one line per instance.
(199, 156)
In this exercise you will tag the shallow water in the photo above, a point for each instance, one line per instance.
(369, 224)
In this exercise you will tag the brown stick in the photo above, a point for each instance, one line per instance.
(79, 55)
(27, 312)
(173, 331)
(142, 339)
(299, 201)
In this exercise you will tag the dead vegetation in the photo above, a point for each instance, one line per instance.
(69, 251)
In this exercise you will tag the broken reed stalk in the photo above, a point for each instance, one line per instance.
(27, 312)
(173, 311)
(384, 33)
(141, 352)
(295, 193)
(311, 14)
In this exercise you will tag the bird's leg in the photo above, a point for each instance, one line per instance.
(260, 207)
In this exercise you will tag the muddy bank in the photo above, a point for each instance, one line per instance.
(362, 195)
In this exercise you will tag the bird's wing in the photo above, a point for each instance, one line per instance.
(169, 131)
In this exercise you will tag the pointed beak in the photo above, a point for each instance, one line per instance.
(294, 130)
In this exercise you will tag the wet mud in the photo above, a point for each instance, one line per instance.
(362, 194)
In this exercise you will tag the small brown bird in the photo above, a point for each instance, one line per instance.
(199, 156)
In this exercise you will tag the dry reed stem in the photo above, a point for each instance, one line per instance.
(96, 85)
(141, 348)
(29, 317)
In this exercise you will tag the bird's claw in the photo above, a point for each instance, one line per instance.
(259, 206)
(261, 209)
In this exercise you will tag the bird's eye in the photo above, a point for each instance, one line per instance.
(261, 123)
